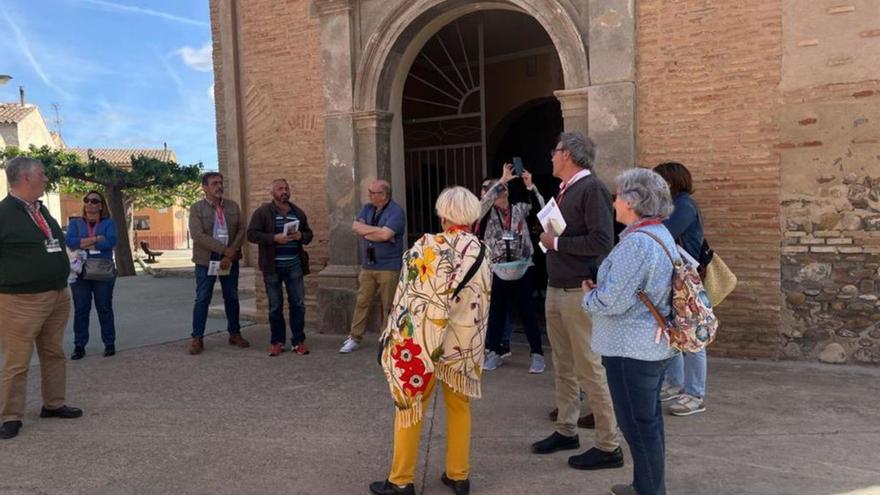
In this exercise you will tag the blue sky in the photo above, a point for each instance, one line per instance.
(124, 73)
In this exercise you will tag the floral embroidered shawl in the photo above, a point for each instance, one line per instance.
(429, 334)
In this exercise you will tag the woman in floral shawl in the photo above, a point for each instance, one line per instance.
(437, 331)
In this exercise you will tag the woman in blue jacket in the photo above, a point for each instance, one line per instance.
(686, 376)
(94, 233)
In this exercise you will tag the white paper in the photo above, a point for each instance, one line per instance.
(214, 269)
(291, 227)
(551, 220)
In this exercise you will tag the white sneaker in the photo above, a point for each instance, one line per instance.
(349, 345)
(493, 361)
(537, 365)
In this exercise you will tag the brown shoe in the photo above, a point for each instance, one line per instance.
(196, 346)
(587, 422)
(237, 339)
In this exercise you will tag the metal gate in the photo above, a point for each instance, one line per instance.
(444, 124)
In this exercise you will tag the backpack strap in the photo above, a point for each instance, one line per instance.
(471, 271)
(652, 236)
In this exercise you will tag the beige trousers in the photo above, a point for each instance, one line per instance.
(29, 319)
(372, 283)
(578, 368)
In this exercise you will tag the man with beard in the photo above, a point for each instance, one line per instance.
(280, 229)
(215, 227)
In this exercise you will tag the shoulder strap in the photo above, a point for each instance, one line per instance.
(652, 236)
(471, 271)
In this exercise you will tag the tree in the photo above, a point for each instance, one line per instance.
(148, 183)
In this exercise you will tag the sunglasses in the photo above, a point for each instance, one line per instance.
(93, 201)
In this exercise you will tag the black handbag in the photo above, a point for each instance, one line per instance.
(98, 269)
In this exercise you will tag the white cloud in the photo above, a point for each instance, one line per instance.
(199, 59)
(211, 92)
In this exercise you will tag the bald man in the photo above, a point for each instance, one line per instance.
(380, 224)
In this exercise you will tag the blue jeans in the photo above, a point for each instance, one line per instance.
(512, 294)
(635, 391)
(688, 371)
(102, 290)
(204, 291)
(292, 277)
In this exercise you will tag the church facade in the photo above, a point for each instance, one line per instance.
(773, 105)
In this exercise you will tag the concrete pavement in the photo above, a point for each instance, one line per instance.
(235, 421)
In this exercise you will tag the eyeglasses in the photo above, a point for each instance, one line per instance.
(375, 192)
(94, 201)
(555, 150)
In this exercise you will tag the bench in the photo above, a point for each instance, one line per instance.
(151, 255)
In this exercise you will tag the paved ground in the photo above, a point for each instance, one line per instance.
(235, 421)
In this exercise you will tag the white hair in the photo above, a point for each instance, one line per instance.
(458, 205)
(646, 192)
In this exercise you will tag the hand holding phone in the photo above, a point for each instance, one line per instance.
(517, 166)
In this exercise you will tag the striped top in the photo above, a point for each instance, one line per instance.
(286, 255)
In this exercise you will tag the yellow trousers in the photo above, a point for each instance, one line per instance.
(458, 434)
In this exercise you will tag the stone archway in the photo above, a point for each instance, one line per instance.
(363, 74)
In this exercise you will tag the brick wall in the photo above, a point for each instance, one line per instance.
(280, 68)
(830, 150)
(708, 77)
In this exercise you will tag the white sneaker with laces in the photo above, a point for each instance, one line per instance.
(349, 345)
(537, 365)
(687, 405)
(493, 361)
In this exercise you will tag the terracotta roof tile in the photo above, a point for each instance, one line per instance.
(122, 156)
(13, 113)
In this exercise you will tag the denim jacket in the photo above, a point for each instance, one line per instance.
(77, 230)
(622, 325)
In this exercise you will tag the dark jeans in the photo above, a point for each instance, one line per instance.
(292, 277)
(517, 294)
(635, 392)
(204, 291)
(102, 290)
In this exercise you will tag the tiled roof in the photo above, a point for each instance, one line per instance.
(122, 156)
(12, 113)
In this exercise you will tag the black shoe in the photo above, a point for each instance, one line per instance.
(459, 487)
(597, 459)
(79, 352)
(388, 488)
(109, 350)
(554, 443)
(10, 429)
(65, 412)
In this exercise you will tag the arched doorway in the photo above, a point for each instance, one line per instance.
(468, 85)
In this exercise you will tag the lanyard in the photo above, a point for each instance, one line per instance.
(219, 212)
(377, 215)
(643, 223)
(507, 215)
(92, 228)
(37, 217)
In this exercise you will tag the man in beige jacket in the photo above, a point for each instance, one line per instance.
(215, 227)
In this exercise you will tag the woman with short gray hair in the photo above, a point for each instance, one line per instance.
(634, 352)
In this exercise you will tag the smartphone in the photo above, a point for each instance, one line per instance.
(517, 166)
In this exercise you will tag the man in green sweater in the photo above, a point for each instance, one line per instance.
(34, 300)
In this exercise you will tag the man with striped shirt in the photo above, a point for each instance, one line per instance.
(281, 229)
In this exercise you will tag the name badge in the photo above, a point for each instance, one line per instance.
(222, 234)
(53, 246)
(508, 235)
(94, 251)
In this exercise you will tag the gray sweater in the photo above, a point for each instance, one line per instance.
(588, 237)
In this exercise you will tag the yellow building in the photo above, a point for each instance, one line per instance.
(164, 228)
(22, 125)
